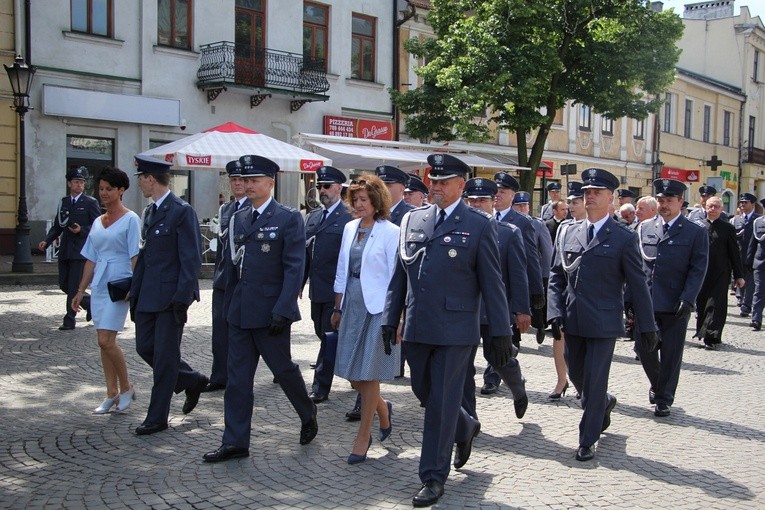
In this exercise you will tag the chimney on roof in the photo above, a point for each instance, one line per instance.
(657, 6)
(709, 10)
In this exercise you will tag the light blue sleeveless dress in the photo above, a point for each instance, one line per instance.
(111, 250)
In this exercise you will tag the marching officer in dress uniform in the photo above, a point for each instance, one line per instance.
(596, 257)
(449, 259)
(700, 213)
(397, 181)
(507, 187)
(415, 193)
(625, 196)
(553, 190)
(74, 217)
(743, 224)
(480, 194)
(267, 243)
(755, 263)
(221, 296)
(675, 252)
(165, 283)
(324, 233)
(545, 248)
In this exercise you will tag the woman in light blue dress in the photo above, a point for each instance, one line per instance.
(110, 252)
(365, 265)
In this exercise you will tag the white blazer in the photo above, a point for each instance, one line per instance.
(378, 262)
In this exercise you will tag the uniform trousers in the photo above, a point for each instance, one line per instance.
(324, 373)
(758, 301)
(245, 348)
(589, 364)
(219, 373)
(662, 366)
(158, 342)
(438, 374)
(69, 276)
(510, 374)
(746, 294)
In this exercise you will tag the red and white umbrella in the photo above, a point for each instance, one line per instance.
(213, 148)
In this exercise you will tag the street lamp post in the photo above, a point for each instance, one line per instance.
(20, 74)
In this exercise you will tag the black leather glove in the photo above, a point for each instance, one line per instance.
(278, 323)
(537, 301)
(133, 304)
(556, 323)
(389, 338)
(499, 351)
(683, 309)
(179, 312)
(650, 340)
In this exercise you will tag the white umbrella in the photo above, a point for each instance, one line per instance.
(213, 148)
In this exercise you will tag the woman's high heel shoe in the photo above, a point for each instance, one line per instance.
(385, 433)
(125, 399)
(557, 395)
(106, 405)
(355, 459)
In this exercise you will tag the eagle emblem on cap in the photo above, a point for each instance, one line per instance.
(438, 159)
(592, 173)
(479, 182)
(665, 182)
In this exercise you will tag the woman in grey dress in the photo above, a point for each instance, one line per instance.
(365, 266)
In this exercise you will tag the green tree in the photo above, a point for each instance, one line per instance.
(512, 64)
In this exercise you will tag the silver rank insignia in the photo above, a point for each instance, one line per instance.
(452, 253)
(265, 247)
(260, 235)
(447, 239)
(272, 235)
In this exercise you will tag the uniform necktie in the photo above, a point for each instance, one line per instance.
(498, 216)
(255, 215)
(323, 216)
(590, 233)
(666, 227)
(441, 218)
(74, 200)
(237, 205)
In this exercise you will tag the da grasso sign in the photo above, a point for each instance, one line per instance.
(358, 128)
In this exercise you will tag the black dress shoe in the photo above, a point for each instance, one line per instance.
(607, 416)
(145, 429)
(213, 386)
(520, 405)
(430, 492)
(662, 410)
(312, 365)
(192, 395)
(713, 347)
(462, 453)
(756, 326)
(65, 327)
(584, 453)
(489, 388)
(226, 452)
(744, 314)
(317, 399)
(651, 396)
(540, 335)
(309, 429)
(354, 414)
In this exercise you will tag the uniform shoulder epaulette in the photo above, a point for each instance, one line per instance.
(698, 222)
(480, 213)
(503, 224)
(624, 226)
(286, 207)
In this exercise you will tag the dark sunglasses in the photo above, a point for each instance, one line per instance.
(325, 186)
(361, 182)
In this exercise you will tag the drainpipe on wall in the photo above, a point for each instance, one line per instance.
(28, 31)
(410, 12)
(740, 137)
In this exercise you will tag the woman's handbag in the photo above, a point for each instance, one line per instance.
(119, 289)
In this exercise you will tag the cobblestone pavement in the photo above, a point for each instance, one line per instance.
(54, 453)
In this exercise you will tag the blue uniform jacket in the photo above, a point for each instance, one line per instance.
(322, 249)
(533, 266)
(222, 251)
(675, 263)
(84, 213)
(512, 259)
(589, 298)
(269, 274)
(744, 232)
(450, 268)
(398, 212)
(544, 246)
(170, 261)
(755, 257)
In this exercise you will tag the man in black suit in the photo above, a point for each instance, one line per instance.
(743, 224)
(449, 260)
(724, 257)
(220, 297)
(324, 233)
(560, 213)
(74, 217)
(165, 283)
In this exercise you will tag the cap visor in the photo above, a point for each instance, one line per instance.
(444, 177)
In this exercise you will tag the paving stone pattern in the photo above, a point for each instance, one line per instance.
(55, 454)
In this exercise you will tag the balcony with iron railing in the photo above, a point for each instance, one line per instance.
(263, 71)
(755, 155)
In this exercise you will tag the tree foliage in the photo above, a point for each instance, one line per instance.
(513, 63)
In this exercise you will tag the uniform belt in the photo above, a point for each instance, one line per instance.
(356, 275)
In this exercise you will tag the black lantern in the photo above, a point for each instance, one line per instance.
(20, 74)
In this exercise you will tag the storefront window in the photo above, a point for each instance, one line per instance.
(92, 153)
